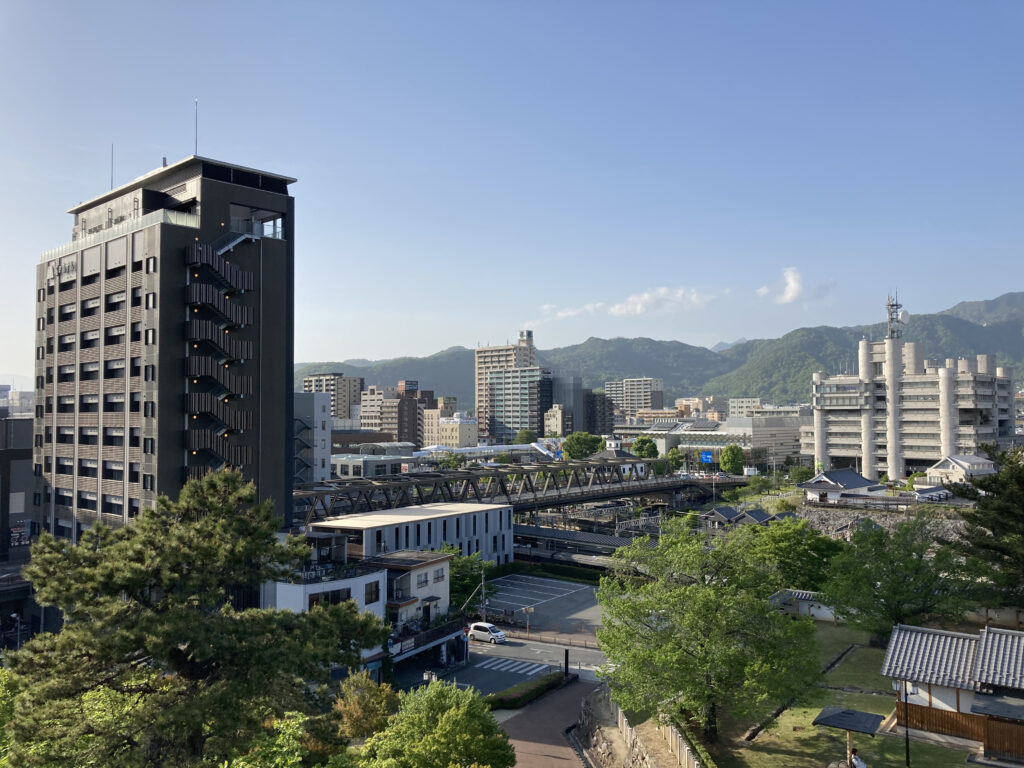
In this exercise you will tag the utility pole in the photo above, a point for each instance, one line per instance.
(483, 592)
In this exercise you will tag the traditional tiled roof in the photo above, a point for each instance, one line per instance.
(784, 596)
(999, 660)
(845, 479)
(922, 655)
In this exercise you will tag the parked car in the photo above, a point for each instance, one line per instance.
(486, 632)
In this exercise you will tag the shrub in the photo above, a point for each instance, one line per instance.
(520, 695)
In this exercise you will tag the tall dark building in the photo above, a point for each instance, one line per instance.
(164, 344)
(600, 412)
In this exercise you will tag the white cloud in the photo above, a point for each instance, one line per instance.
(657, 300)
(662, 299)
(793, 288)
(764, 290)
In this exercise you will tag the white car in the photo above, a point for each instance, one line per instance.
(486, 632)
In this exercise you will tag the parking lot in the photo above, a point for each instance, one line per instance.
(558, 606)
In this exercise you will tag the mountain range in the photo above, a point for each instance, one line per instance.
(777, 370)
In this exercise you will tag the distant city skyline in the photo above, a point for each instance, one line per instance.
(678, 171)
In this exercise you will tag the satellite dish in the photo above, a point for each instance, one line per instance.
(904, 316)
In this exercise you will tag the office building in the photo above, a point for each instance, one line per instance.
(522, 354)
(517, 398)
(344, 391)
(458, 431)
(164, 344)
(740, 407)
(432, 420)
(631, 395)
(371, 406)
(901, 413)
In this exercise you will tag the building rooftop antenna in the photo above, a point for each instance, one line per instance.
(895, 317)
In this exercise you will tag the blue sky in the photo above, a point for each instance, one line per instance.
(686, 171)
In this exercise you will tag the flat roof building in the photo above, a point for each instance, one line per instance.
(164, 344)
(483, 528)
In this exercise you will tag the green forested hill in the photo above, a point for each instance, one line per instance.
(778, 370)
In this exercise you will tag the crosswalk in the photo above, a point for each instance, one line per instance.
(514, 666)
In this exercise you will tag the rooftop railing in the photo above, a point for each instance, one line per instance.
(125, 227)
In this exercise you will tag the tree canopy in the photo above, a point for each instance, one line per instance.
(464, 577)
(645, 448)
(675, 459)
(157, 662)
(524, 437)
(800, 555)
(800, 474)
(438, 726)
(581, 445)
(993, 538)
(688, 630)
(731, 460)
(451, 461)
(885, 579)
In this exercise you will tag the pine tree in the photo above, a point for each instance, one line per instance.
(993, 539)
(155, 664)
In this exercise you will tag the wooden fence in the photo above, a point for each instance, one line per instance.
(961, 724)
(685, 755)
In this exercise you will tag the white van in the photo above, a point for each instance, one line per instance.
(485, 632)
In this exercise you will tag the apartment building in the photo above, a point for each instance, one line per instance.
(522, 354)
(557, 421)
(344, 390)
(371, 404)
(902, 413)
(517, 398)
(313, 426)
(599, 411)
(631, 395)
(164, 344)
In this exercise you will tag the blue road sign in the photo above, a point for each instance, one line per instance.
(705, 457)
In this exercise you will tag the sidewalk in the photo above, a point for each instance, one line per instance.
(538, 730)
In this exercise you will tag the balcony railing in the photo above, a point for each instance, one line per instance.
(131, 225)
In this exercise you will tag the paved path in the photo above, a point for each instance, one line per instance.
(538, 730)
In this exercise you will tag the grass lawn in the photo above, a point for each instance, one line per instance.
(795, 743)
(832, 639)
(860, 669)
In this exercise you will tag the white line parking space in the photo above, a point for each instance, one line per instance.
(519, 591)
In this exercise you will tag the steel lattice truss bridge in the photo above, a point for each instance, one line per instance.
(523, 486)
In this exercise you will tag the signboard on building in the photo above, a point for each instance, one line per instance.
(705, 457)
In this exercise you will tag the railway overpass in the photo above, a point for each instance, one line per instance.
(526, 487)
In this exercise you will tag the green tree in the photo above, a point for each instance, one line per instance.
(156, 663)
(524, 437)
(799, 554)
(758, 485)
(284, 745)
(801, 474)
(675, 459)
(464, 577)
(581, 445)
(645, 448)
(438, 726)
(731, 460)
(363, 706)
(6, 713)
(993, 537)
(451, 461)
(884, 579)
(688, 630)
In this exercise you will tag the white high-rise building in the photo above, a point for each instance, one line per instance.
(522, 354)
(901, 413)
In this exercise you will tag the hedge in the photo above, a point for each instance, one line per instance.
(520, 695)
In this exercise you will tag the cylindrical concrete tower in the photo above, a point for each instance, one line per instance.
(893, 365)
(912, 359)
(867, 422)
(947, 412)
(821, 459)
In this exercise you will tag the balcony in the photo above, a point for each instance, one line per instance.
(314, 573)
(410, 637)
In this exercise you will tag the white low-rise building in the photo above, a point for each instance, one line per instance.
(483, 528)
